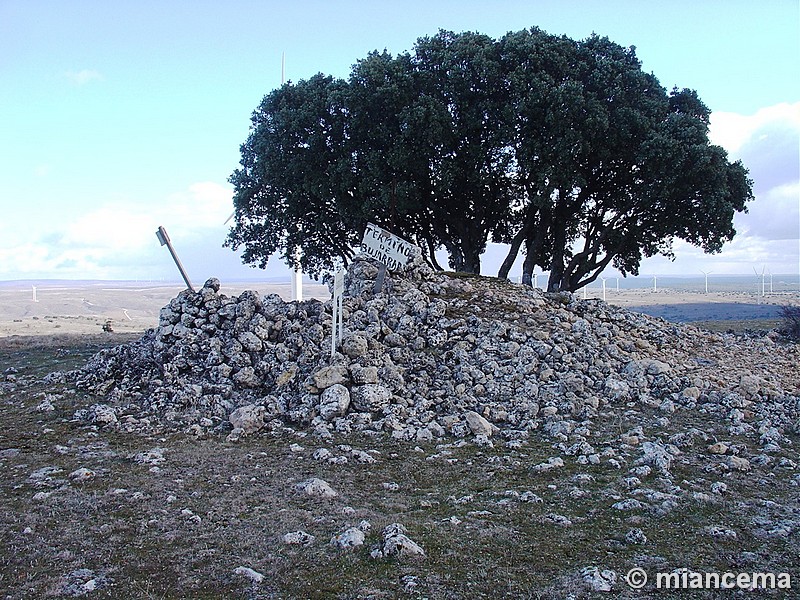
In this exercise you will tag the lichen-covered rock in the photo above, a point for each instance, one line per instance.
(355, 346)
(397, 543)
(478, 425)
(298, 538)
(599, 580)
(328, 376)
(248, 419)
(334, 402)
(348, 539)
(318, 488)
(430, 355)
(371, 397)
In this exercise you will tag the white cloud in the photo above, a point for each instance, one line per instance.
(768, 144)
(732, 131)
(117, 239)
(83, 76)
(774, 215)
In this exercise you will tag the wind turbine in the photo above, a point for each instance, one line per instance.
(655, 283)
(603, 279)
(770, 280)
(763, 270)
(706, 273)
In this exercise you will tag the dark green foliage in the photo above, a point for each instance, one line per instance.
(563, 149)
(790, 314)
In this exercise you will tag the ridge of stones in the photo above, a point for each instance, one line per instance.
(430, 355)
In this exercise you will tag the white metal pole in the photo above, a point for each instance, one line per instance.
(34, 293)
(163, 238)
(297, 279)
(340, 328)
(333, 327)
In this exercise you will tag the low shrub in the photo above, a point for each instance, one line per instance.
(790, 313)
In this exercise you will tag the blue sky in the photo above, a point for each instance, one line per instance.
(117, 117)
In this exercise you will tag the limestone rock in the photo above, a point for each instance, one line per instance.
(371, 397)
(598, 580)
(355, 346)
(250, 574)
(298, 538)
(348, 539)
(397, 543)
(249, 419)
(432, 355)
(737, 463)
(334, 402)
(316, 487)
(479, 425)
(328, 376)
(82, 475)
(718, 448)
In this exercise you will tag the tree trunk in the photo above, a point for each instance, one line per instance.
(472, 261)
(529, 265)
(516, 244)
(555, 282)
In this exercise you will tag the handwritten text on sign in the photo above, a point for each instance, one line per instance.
(386, 247)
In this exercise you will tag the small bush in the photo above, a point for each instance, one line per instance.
(791, 321)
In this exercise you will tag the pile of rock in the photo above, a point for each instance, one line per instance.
(430, 355)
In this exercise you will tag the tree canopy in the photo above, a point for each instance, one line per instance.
(565, 150)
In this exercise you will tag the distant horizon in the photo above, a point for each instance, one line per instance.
(793, 277)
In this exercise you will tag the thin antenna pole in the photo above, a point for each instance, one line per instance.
(297, 272)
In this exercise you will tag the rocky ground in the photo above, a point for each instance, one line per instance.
(469, 438)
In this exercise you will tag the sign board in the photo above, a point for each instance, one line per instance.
(385, 247)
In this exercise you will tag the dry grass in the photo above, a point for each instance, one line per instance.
(129, 525)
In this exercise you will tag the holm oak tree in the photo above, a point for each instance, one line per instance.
(565, 150)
